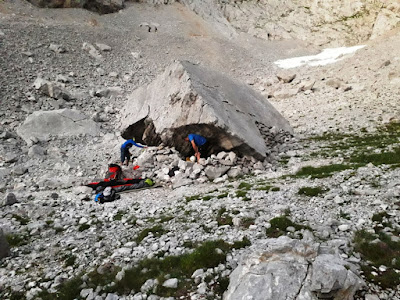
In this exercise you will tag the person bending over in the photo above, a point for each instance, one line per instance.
(125, 154)
(198, 144)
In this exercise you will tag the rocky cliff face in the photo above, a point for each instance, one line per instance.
(322, 23)
(333, 23)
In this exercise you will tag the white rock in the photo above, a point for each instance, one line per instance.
(344, 227)
(103, 47)
(171, 283)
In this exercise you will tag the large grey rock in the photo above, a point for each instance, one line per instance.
(330, 277)
(284, 268)
(10, 199)
(189, 98)
(4, 247)
(63, 122)
(215, 172)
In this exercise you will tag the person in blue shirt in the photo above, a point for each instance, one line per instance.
(125, 154)
(198, 143)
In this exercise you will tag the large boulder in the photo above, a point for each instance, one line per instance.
(285, 268)
(188, 98)
(64, 122)
(99, 6)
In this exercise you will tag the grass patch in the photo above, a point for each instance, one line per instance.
(223, 217)
(83, 227)
(322, 171)
(223, 195)
(344, 215)
(192, 198)
(164, 219)
(241, 194)
(118, 216)
(378, 249)
(378, 217)
(208, 255)
(246, 222)
(69, 260)
(156, 230)
(17, 240)
(245, 186)
(384, 158)
(357, 146)
(279, 226)
(311, 191)
(22, 220)
(207, 198)
(68, 290)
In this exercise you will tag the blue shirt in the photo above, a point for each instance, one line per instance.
(129, 143)
(198, 139)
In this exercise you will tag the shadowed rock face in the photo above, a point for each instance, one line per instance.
(4, 247)
(98, 6)
(189, 98)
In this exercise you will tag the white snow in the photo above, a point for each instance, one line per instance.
(327, 56)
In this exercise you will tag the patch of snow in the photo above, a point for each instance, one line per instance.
(327, 56)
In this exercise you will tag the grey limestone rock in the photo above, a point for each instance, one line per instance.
(10, 199)
(63, 122)
(215, 172)
(298, 265)
(188, 98)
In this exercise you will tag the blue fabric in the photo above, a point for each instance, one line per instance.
(129, 143)
(99, 195)
(125, 149)
(198, 139)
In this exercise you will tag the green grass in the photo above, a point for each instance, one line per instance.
(383, 158)
(223, 217)
(210, 254)
(16, 240)
(191, 198)
(344, 215)
(118, 216)
(379, 252)
(22, 220)
(246, 222)
(164, 219)
(83, 227)
(223, 195)
(279, 225)
(68, 290)
(245, 186)
(69, 260)
(322, 171)
(242, 194)
(156, 230)
(207, 198)
(357, 146)
(311, 191)
(378, 217)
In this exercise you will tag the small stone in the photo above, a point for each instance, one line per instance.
(10, 199)
(103, 47)
(57, 48)
(171, 283)
(344, 227)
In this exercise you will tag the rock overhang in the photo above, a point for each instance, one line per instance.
(189, 98)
